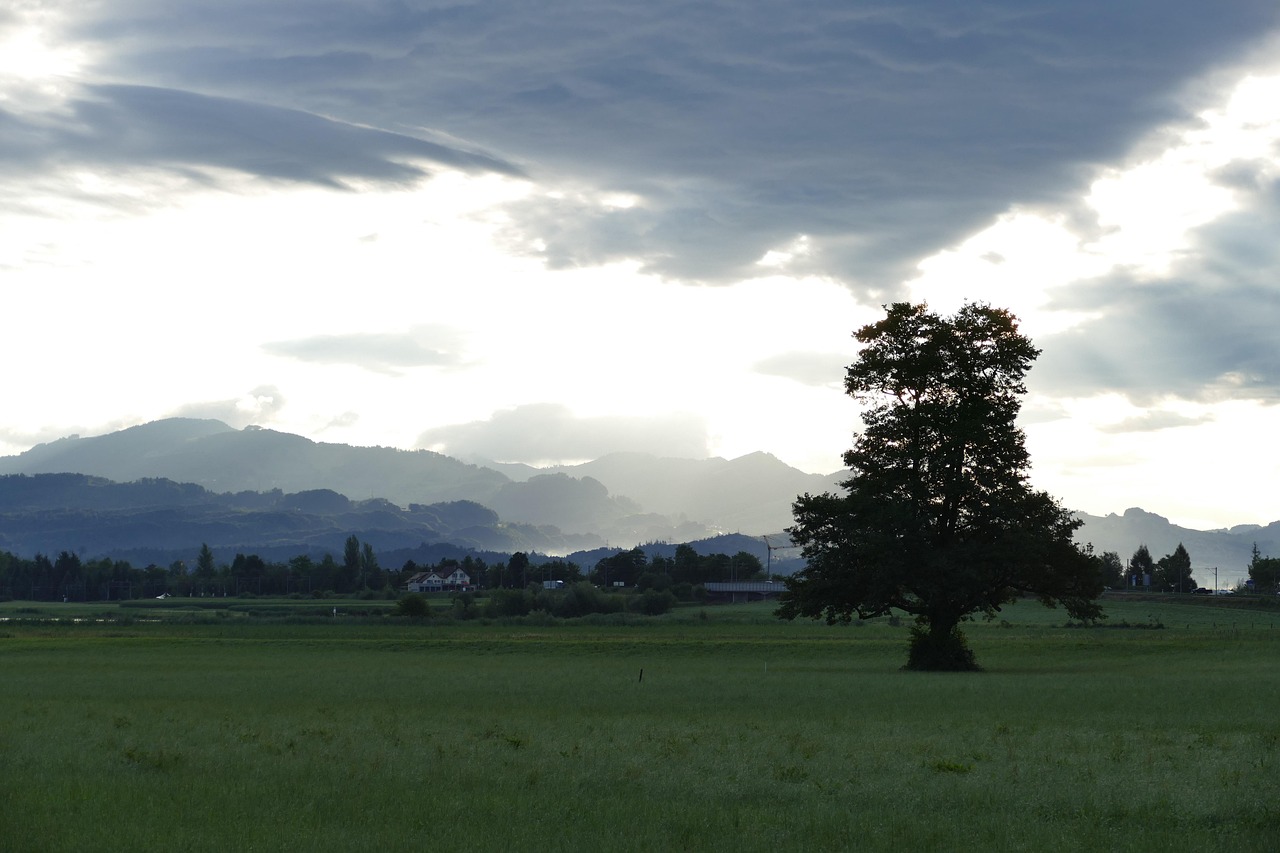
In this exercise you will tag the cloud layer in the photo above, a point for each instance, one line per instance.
(390, 352)
(256, 407)
(1205, 331)
(881, 131)
(551, 433)
(136, 126)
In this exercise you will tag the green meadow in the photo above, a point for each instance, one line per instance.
(189, 727)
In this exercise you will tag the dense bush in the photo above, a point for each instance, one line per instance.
(508, 602)
(414, 606)
(580, 599)
(654, 580)
(576, 600)
(652, 602)
(465, 606)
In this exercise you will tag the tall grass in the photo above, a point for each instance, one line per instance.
(742, 733)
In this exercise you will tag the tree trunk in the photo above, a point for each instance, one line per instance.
(938, 645)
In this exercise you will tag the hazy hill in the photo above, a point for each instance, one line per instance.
(622, 498)
(212, 454)
(161, 521)
(750, 494)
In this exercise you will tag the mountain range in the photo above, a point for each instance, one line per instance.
(1228, 550)
(628, 497)
(175, 482)
(202, 480)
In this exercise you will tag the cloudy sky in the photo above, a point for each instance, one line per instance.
(542, 232)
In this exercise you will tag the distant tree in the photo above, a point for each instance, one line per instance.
(716, 568)
(1112, 569)
(370, 572)
(70, 574)
(746, 566)
(302, 572)
(205, 567)
(517, 574)
(624, 568)
(475, 570)
(560, 570)
(348, 577)
(688, 565)
(44, 582)
(248, 566)
(1264, 571)
(496, 576)
(1173, 571)
(1141, 567)
(663, 566)
(938, 519)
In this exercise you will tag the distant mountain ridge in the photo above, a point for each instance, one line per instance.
(619, 500)
(222, 459)
(627, 498)
(752, 493)
(151, 519)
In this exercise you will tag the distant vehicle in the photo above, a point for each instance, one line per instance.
(163, 595)
(553, 584)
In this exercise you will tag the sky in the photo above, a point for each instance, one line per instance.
(545, 232)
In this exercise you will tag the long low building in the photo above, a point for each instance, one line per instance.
(741, 591)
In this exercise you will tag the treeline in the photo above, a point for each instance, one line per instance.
(575, 600)
(355, 572)
(687, 566)
(69, 578)
(1172, 572)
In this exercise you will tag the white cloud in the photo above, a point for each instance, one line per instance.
(381, 352)
(550, 433)
(258, 407)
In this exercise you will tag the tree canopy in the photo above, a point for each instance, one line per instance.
(1264, 571)
(938, 519)
(1173, 571)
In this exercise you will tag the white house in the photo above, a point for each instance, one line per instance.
(438, 580)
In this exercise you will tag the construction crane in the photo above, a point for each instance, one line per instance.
(770, 548)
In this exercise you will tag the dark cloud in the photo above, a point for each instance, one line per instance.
(422, 346)
(256, 407)
(549, 433)
(148, 127)
(820, 369)
(1205, 332)
(882, 131)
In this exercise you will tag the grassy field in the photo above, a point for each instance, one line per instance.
(218, 730)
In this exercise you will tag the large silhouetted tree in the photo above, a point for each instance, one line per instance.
(937, 518)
